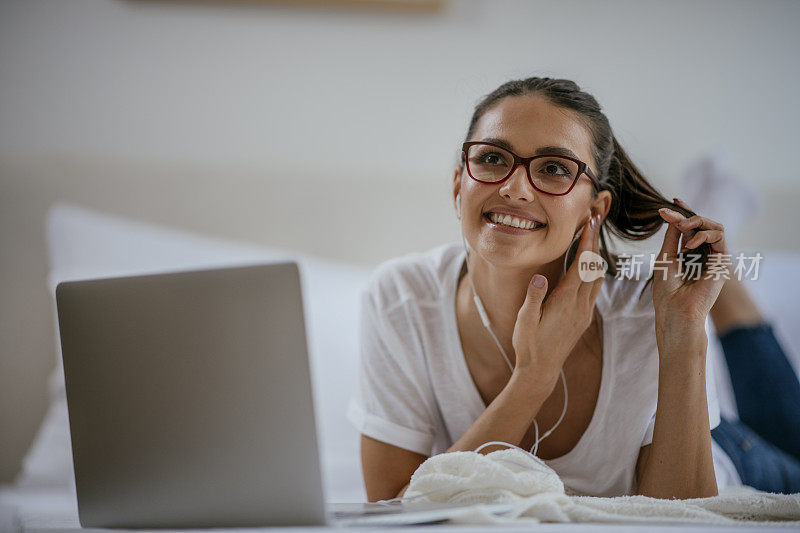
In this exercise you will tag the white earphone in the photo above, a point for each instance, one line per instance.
(458, 205)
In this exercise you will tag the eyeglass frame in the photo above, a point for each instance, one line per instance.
(583, 168)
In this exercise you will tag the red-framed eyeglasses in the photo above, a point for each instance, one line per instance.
(552, 174)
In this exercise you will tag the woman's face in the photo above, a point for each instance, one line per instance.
(526, 124)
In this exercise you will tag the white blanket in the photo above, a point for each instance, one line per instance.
(538, 495)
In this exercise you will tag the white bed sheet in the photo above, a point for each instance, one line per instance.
(55, 511)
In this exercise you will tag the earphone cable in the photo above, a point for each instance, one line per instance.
(485, 320)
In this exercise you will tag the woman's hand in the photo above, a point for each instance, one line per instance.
(682, 305)
(545, 334)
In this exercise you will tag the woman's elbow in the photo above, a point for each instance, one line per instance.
(386, 468)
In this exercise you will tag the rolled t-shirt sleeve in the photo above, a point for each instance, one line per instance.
(711, 399)
(394, 402)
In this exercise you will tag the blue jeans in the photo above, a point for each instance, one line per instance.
(760, 464)
(765, 443)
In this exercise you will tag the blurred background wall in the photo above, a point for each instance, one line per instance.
(332, 128)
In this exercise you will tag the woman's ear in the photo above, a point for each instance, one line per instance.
(601, 205)
(457, 188)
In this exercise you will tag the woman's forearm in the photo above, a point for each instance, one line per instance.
(680, 464)
(507, 418)
(510, 414)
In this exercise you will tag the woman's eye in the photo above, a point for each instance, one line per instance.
(552, 168)
(491, 159)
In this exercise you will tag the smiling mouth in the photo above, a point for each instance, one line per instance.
(508, 221)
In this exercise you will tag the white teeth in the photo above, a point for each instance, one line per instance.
(508, 220)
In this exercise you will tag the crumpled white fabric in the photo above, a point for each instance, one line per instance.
(513, 476)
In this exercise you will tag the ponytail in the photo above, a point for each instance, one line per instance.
(634, 207)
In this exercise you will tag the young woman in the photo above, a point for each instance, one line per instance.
(607, 379)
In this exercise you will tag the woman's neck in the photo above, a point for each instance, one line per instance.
(502, 291)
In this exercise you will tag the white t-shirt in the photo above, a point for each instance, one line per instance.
(416, 392)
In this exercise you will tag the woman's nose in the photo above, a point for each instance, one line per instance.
(517, 186)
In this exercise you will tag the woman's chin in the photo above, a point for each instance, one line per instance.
(514, 243)
(501, 252)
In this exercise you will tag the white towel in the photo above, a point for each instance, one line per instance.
(538, 495)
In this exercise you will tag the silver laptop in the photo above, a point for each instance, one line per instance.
(190, 403)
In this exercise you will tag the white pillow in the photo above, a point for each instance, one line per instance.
(83, 244)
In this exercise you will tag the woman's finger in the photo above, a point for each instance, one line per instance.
(596, 285)
(718, 243)
(682, 204)
(670, 216)
(669, 249)
(709, 236)
(698, 222)
(695, 241)
(715, 238)
(572, 278)
(693, 226)
(677, 219)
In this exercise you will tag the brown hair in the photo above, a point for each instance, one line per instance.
(634, 200)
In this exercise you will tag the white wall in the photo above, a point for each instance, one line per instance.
(275, 86)
(101, 101)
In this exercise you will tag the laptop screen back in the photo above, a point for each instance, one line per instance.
(190, 400)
